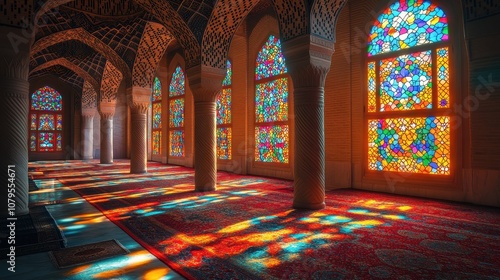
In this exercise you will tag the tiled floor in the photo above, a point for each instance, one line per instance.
(81, 224)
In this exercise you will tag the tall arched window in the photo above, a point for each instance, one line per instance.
(409, 90)
(156, 126)
(46, 120)
(224, 132)
(271, 104)
(176, 113)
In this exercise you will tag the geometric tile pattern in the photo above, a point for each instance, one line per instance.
(89, 96)
(111, 79)
(155, 40)
(476, 9)
(16, 13)
(324, 14)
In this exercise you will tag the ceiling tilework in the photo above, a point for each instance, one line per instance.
(62, 73)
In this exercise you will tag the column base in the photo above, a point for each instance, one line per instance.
(206, 189)
(308, 206)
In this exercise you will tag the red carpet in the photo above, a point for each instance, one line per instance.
(247, 229)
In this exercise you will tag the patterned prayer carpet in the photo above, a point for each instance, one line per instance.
(248, 230)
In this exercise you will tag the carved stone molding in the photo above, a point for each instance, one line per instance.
(14, 66)
(107, 109)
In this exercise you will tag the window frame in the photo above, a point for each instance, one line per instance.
(395, 177)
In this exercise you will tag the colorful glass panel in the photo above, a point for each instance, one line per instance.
(229, 74)
(224, 106)
(270, 60)
(59, 122)
(156, 90)
(406, 82)
(33, 122)
(416, 145)
(176, 143)
(177, 83)
(157, 115)
(443, 78)
(177, 112)
(156, 142)
(271, 143)
(271, 101)
(372, 88)
(224, 135)
(33, 142)
(406, 24)
(46, 141)
(46, 122)
(59, 142)
(46, 99)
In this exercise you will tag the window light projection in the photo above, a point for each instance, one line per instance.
(410, 145)
(46, 120)
(408, 90)
(406, 82)
(156, 126)
(271, 104)
(176, 113)
(224, 135)
(406, 24)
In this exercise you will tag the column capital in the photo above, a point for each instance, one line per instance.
(308, 59)
(107, 109)
(205, 82)
(89, 112)
(139, 99)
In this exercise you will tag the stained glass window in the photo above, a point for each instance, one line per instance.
(156, 126)
(224, 136)
(271, 104)
(406, 82)
(408, 90)
(177, 83)
(406, 24)
(176, 113)
(46, 120)
(177, 143)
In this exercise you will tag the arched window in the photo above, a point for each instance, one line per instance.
(271, 104)
(156, 126)
(176, 113)
(46, 120)
(408, 93)
(224, 132)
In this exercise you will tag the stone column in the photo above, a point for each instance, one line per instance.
(205, 83)
(138, 99)
(14, 110)
(88, 133)
(107, 111)
(308, 59)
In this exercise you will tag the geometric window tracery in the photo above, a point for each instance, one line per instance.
(157, 124)
(271, 104)
(224, 129)
(46, 120)
(176, 113)
(408, 90)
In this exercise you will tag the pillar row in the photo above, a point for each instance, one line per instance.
(88, 133)
(308, 60)
(205, 83)
(139, 100)
(107, 111)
